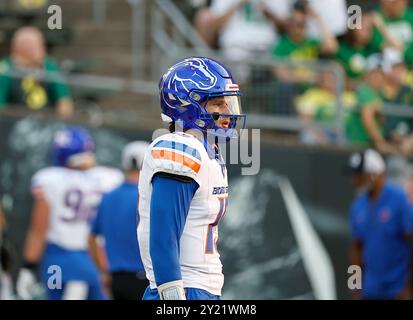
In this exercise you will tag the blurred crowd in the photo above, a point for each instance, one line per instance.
(373, 46)
(375, 50)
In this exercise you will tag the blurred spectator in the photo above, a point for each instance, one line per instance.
(207, 26)
(398, 18)
(296, 46)
(381, 221)
(28, 56)
(397, 92)
(358, 44)
(247, 26)
(199, 13)
(365, 123)
(252, 19)
(334, 15)
(190, 7)
(117, 222)
(319, 104)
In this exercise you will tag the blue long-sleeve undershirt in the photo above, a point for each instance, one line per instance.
(170, 203)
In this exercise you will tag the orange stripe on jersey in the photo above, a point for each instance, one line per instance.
(173, 156)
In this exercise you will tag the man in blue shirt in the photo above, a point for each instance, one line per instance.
(381, 221)
(116, 222)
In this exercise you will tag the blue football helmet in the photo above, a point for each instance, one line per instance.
(186, 88)
(69, 142)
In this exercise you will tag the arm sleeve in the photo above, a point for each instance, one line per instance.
(170, 203)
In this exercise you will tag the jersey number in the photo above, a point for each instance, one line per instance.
(83, 206)
(210, 241)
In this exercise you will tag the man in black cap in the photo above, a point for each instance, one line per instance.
(381, 221)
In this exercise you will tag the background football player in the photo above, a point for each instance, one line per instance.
(116, 221)
(65, 200)
(183, 184)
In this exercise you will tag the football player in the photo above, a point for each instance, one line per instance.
(116, 222)
(66, 196)
(183, 186)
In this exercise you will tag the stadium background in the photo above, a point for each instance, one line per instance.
(112, 53)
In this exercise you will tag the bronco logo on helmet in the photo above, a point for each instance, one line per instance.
(201, 76)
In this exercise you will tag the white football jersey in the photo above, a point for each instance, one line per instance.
(73, 197)
(183, 154)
